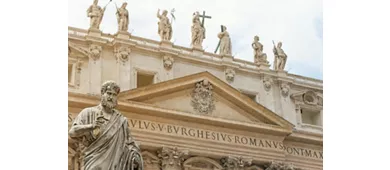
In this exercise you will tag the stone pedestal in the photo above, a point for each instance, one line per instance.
(123, 35)
(197, 50)
(166, 44)
(263, 65)
(93, 32)
(227, 58)
(281, 73)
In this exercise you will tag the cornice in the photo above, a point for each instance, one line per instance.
(305, 137)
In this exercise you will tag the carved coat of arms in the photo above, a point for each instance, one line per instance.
(202, 98)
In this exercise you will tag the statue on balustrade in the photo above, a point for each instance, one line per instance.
(225, 42)
(95, 13)
(122, 15)
(164, 26)
(280, 57)
(259, 56)
(197, 30)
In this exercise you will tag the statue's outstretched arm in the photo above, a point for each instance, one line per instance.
(79, 130)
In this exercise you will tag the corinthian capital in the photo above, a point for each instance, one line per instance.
(172, 158)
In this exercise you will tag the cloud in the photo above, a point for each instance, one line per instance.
(298, 24)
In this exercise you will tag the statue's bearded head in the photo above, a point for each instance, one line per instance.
(109, 92)
(95, 2)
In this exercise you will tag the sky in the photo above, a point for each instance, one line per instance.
(296, 23)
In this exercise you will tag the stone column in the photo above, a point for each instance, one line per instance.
(95, 68)
(122, 55)
(172, 158)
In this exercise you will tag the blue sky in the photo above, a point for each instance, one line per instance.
(297, 23)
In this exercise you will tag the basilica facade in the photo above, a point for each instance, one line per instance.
(189, 109)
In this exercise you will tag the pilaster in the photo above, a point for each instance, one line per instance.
(95, 68)
(122, 55)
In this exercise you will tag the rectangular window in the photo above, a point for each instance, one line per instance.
(311, 117)
(144, 79)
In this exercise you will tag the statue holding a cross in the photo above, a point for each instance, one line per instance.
(225, 44)
(198, 30)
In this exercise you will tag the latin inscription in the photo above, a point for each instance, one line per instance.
(222, 137)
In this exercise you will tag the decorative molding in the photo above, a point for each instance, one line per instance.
(308, 98)
(122, 53)
(168, 62)
(151, 160)
(78, 65)
(274, 165)
(267, 82)
(229, 74)
(235, 163)
(202, 97)
(285, 89)
(172, 158)
(95, 51)
(254, 167)
(201, 163)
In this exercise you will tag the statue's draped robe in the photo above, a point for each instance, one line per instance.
(226, 44)
(198, 32)
(97, 15)
(280, 58)
(164, 28)
(108, 151)
(123, 19)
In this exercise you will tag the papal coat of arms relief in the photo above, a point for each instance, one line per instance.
(202, 98)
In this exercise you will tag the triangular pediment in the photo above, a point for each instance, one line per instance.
(74, 49)
(190, 95)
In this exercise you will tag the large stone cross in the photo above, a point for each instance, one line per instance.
(203, 17)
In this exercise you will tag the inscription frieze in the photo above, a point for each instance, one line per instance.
(210, 135)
